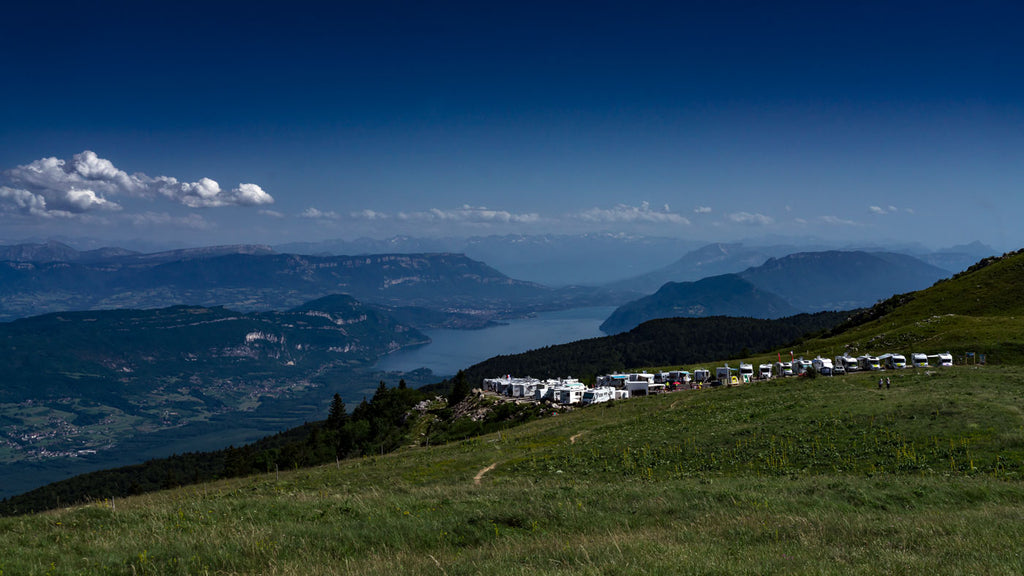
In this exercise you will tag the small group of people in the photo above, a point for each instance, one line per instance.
(885, 381)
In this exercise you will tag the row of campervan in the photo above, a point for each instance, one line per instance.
(560, 390)
(619, 386)
(844, 364)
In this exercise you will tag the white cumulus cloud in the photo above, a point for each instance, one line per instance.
(189, 221)
(702, 210)
(317, 214)
(748, 218)
(837, 221)
(627, 214)
(469, 214)
(87, 183)
(881, 210)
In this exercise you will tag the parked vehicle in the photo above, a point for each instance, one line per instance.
(822, 366)
(868, 362)
(598, 395)
(764, 371)
(746, 372)
(783, 369)
(802, 366)
(848, 363)
(893, 361)
(724, 375)
(919, 360)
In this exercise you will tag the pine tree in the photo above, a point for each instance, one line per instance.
(338, 413)
(460, 389)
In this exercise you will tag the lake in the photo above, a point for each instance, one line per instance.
(452, 350)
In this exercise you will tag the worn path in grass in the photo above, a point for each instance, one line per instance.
(479, 475)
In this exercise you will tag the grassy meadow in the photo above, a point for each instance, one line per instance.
(794, 476)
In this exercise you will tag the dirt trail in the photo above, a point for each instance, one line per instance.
(480, 474)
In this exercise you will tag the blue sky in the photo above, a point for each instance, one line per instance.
(193, 122)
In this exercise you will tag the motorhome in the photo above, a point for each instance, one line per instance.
(598, 395)
(521, 387)
(944, 359)
(893, 361)
(679, 379)
(746, 372)
(783, 369)
(802, 366)
(822, 366)
(838, 370)
(919, 360)
(613, 380)
(868, 362)
(724, 375)
(848, 363)
(569, 391)
(542, 392)
(642, 384)
(701, 375)
(764, 371)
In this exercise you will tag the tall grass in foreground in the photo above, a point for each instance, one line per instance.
(795, 477)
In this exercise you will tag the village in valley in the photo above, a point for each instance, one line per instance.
(570, 391)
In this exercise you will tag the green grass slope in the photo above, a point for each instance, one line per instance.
(980, 310)
(822, 476)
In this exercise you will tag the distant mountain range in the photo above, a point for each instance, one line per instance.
(550, 259)
(801, 282)
(463, 291)
(724, 295)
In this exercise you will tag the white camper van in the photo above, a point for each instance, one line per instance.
(893, 361)
(598, 395)
(746, 372)
(868, 362)
(944, 359)
(848, 363)
(783, 369)
(724, 375)
(801, 366)
(822, 366)
(919, 360)
(764, 371)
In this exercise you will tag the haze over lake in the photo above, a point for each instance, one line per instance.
(453, 350)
